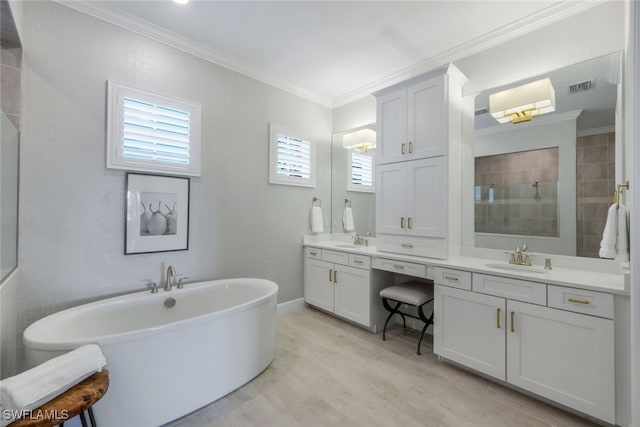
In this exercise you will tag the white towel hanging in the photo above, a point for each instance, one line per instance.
(347, 219)
(610, 234)
(316, 220)
(622, 238)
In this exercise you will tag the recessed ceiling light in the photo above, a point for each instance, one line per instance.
(181, 1)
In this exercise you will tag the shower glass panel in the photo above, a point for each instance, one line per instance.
(517, 193)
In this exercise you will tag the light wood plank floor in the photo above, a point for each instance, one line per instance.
(330, 373)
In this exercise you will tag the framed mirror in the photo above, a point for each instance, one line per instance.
(352, 181)
(548, 182)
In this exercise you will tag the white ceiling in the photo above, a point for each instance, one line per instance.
(332, 52)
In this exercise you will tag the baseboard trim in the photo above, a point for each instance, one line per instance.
(289, 306)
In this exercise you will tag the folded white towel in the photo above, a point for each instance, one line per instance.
(316, 220)
(37, 386)
(622, 245)
(347, 219)
(610, 234)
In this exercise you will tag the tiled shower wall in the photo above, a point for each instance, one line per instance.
(595, 178)
(517, 193)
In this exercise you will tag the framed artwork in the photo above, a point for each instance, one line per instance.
(157, 216)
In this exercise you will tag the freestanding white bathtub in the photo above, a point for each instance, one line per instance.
(166, 362)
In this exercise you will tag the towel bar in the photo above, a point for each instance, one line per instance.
(316, 199)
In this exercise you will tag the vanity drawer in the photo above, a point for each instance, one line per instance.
(581, 301)
(408, 268)
(313, 253)
(360, 261)
(335, 256)
(454, 278)
(519, 290)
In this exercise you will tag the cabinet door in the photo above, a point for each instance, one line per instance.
(352, 299)
(426, 119)
(390, 198)
(392, 127)
(566, 357)
(426, 201)
(469, 328)
(318, 284)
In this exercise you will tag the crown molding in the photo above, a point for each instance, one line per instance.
(493, 38)
(508, 32)
(596, 131)
(177, 41)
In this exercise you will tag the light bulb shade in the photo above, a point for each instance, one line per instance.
(521, 103)
(362, 140)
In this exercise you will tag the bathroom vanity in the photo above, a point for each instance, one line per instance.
(558, 334)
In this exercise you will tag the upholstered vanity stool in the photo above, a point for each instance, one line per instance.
(417, 294)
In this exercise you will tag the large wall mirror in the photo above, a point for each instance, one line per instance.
(353, 204)
(548, 182)
(11, 59)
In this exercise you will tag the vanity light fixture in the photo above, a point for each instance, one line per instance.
(522, 103)
(181, 1)
(362, 140)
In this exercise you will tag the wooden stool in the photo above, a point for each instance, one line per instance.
(79, 398)
(411, 293)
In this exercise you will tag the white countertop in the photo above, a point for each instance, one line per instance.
(577, 278)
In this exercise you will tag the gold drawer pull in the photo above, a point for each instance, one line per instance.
(401, 222)
(455, 279)
(335, 276)
(313, 253)
(358, 261)
(578, 301)
(406, 245)
(398, 266)
(513, 321)
(330, 276)
(402, 148)
(410, 147)
(498, 317)
(410, 222)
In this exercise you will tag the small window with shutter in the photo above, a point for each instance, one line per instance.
(360, 171)
(291, 159)
(148, 132)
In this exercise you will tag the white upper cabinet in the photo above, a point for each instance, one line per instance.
(411, 198)
(411, 122)
(418, 158)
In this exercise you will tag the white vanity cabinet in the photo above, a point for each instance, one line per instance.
(503, 327)
(419, 140)
(411, 121)
(338, 282)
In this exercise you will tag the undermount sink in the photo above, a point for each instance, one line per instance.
(518, 268)
(347, 245)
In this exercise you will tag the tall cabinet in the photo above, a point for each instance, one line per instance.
(418, 165)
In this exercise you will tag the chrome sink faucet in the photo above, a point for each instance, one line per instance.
(169, 278)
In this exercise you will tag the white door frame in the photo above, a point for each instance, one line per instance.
(633, 142)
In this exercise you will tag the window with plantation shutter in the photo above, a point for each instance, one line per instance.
(291, 159)
(360, 168)
(152, 133)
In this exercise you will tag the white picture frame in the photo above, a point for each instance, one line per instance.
(157, 213)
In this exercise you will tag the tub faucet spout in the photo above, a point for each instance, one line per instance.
(169, 278)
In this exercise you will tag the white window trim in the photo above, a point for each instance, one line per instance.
(359, 188)
(274, 178)
(116, 92)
